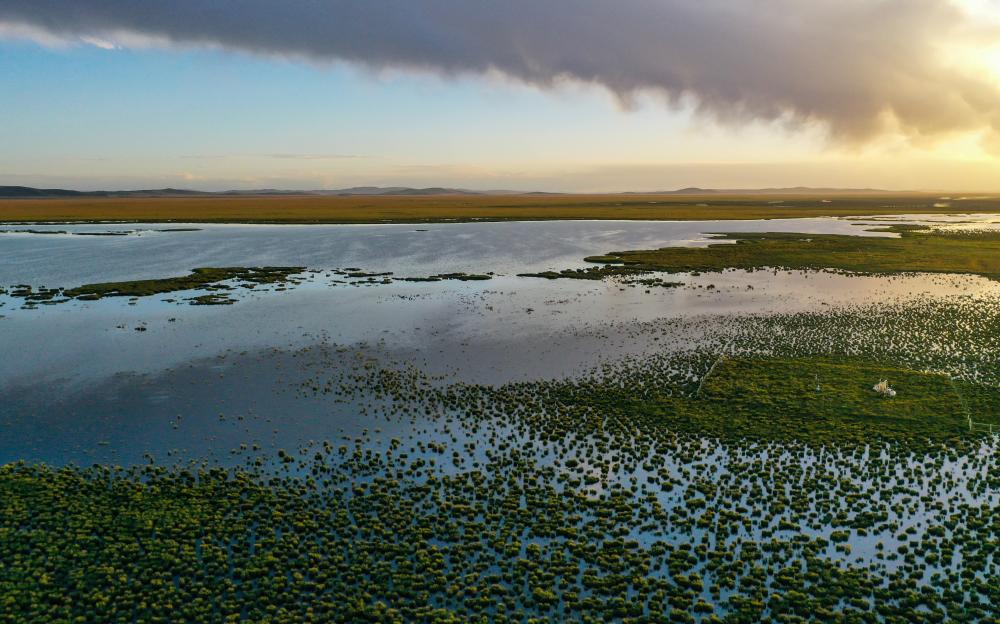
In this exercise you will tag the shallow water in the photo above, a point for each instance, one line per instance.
(504, 247)
(83, 366)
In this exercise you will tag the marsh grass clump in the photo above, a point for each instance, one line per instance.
(461, 277)
(357, 276)
(212, 299)
(198, 279)
(625, 274)
(211, 279)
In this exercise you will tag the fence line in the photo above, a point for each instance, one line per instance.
(968, 413)
(701, 383)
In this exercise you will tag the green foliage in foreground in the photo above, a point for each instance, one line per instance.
(916, 250)
(579, 500)
(383, 538)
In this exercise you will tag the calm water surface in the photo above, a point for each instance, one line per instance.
(78, 381)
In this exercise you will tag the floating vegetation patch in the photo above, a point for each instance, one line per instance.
(199, 279)
(625, 274)
(440, 277)
(212, 299)
(358, 277)
(215, 279)
(462, 277)
(202, 278)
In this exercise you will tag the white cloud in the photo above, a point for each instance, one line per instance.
(97, 42)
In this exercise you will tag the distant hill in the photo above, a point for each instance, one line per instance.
(13, 192)
(693, 190)
(363, 190)
(27, 192)
(434, 190)
(793, 190)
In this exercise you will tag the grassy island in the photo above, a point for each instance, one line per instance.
(917, 249)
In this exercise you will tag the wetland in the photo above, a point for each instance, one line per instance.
(502, 421)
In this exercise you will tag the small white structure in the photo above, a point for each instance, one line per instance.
(883, 388)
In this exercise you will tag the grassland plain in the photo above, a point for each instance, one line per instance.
(447, 208)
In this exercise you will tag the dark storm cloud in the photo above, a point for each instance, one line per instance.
(848, 63)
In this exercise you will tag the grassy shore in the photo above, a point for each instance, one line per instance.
(443, 208)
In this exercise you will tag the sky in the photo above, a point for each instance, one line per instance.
(552, 95)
